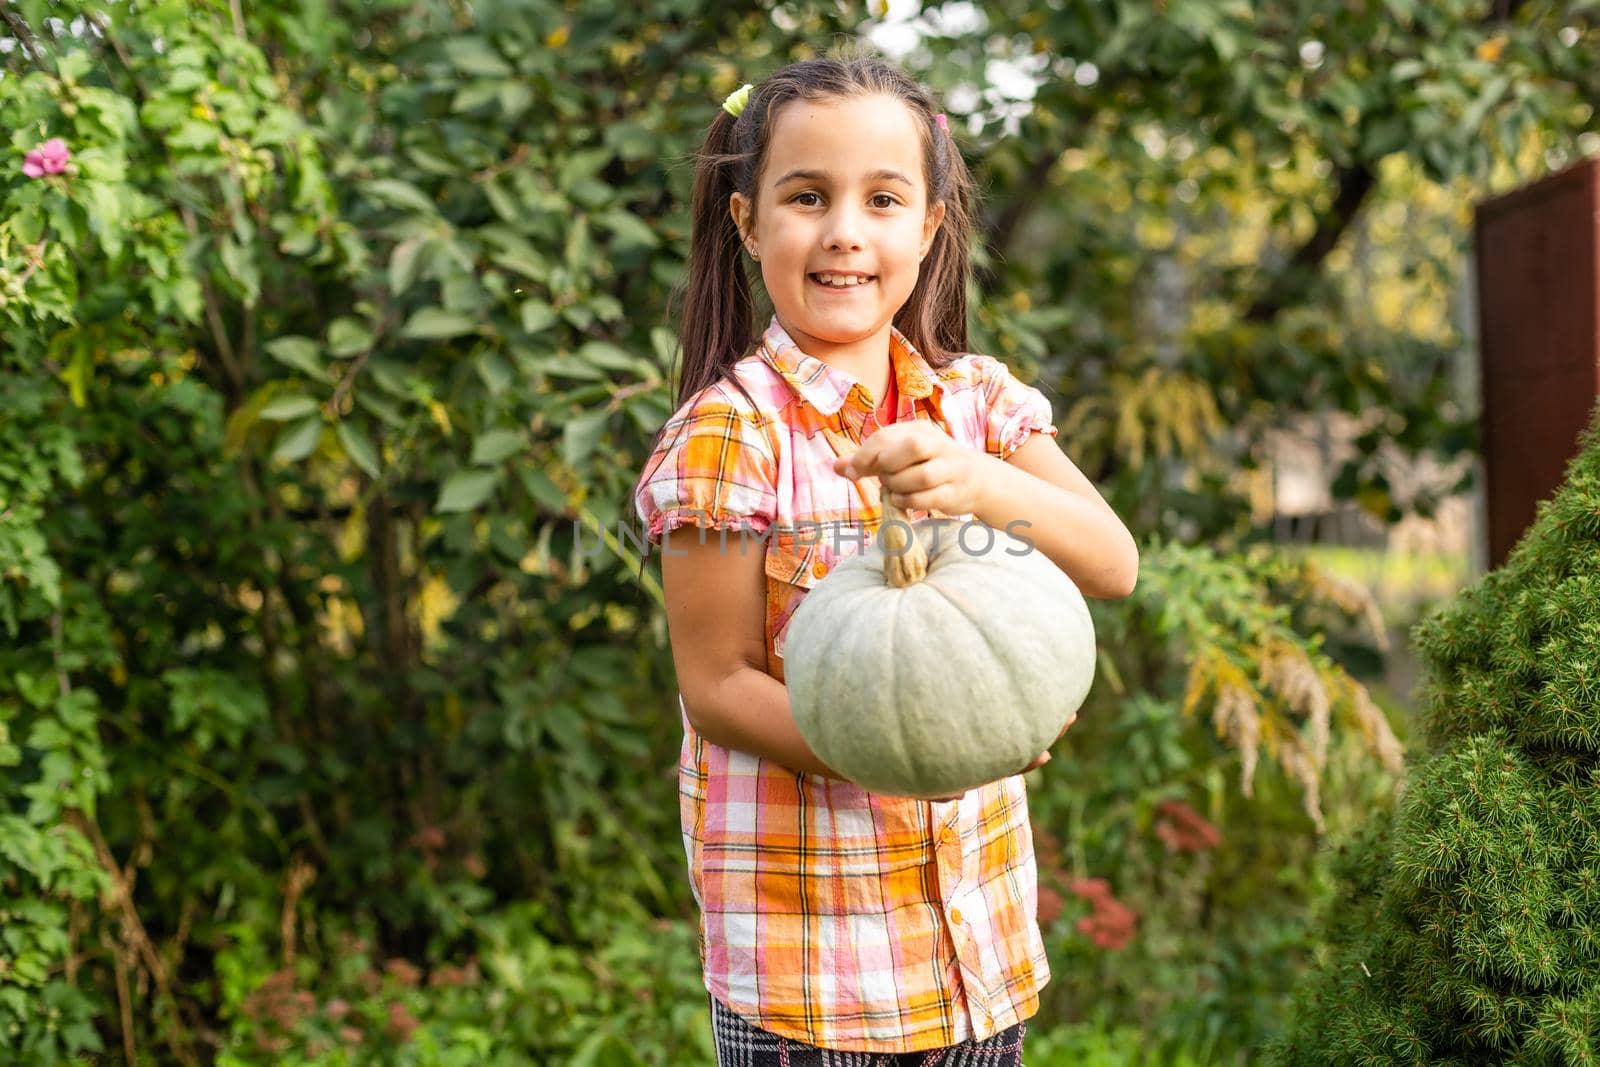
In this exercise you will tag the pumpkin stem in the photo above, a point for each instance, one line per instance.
(902, 565)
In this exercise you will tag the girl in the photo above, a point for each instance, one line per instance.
(883, 929)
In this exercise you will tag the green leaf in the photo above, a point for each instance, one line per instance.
(474, 55)
(515, 97)
(579, 251)
(1488, 98)
(389, 376)
(384, 410)
(496, 445)
(505, 204)
(665, 343)
(474, 95)
(1407, 69)
(432, 324)
(606, 306)
(288, 408)
(581, 166)
(298, 441)
(520, 257)
(430, 163)
(465, 490)
(241, 267)
(188, 297)
(196, 136)
(592, 193)
(564, 366)
(607, 356)
(542, 489)
(359, 447)
(399, 194)
(604, 1049)
(403, 264)
(537, 315)
(299, 353)
(495, 372)
(629, 228)
(630, 141)
(579, 437)
(348, 337)
(1382, 136)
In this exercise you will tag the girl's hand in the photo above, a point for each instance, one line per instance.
(1038, 761)
(924, 467)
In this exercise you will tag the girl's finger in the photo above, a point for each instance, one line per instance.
(923, 501)
(892, 453)
(929, 474)
(863, 462)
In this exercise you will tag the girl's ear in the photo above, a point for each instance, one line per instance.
(930, 226)
(739, 208)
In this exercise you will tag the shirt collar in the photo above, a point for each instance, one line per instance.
(827, 388)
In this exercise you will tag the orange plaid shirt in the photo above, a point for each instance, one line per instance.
(830, 914)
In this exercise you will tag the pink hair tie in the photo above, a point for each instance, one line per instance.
(943, 125)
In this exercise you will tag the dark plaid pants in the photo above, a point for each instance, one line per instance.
(741, 1044)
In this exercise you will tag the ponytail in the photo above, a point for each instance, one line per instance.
(715, 302)
(716, 319)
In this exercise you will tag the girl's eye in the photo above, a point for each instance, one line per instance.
(880, 200)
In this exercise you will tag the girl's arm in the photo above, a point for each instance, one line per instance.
(716, 617)
(1071, 522)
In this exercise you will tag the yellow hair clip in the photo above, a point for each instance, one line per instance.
(735, 102)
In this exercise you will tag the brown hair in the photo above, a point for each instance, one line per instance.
(716, 305)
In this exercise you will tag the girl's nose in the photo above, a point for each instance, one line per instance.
(843, 232)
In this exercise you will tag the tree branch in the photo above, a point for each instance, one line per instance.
(1289, 285)
(1002, 226)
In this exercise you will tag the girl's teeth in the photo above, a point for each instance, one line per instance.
(840, 281)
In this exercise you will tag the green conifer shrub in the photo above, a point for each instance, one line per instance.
(1469, 931)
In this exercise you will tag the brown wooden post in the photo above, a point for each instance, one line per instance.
(1538, 268)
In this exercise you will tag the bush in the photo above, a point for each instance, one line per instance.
(1466, 928)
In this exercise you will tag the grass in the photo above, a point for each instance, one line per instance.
(1404, 583)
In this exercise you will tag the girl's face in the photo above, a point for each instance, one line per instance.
(842, 198)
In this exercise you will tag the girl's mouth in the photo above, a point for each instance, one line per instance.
(841, 283)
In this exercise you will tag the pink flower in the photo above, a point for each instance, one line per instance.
(1182, 829)
(49, 158)
(1113, 923)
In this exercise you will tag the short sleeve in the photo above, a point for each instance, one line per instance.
(713, 469)
(1013, 410)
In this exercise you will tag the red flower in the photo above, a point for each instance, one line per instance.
(403, 971)
(1050, 905)
(1091, 889)
(401, 1022)
(1112, 923)
(1182, 829)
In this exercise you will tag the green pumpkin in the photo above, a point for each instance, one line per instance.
(927, 666)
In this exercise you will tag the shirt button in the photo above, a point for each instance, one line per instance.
(819, 568)
(955, 916)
